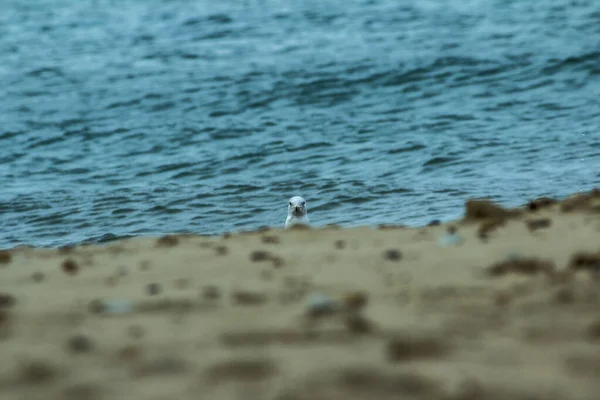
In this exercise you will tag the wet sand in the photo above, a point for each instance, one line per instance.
(504, 304)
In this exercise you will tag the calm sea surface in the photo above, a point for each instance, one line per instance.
(144, 117)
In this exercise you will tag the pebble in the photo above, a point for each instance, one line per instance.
(392, 255)
(7, 300)
(211, 292)
(450, 240)
(80, 344)
(70, 267)
(319, 304)
(5, 257)
(355, 300)
(153, 289)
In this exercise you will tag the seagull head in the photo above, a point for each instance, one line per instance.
(297, 207)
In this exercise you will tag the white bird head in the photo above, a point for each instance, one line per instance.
(297, 207)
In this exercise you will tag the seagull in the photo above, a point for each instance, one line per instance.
(297, 214)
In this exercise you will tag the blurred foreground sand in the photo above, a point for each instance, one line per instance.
(506, 307)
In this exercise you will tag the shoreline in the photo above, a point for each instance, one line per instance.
(502, 303)
(108, 237)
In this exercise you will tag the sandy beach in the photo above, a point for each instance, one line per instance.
(503, 304)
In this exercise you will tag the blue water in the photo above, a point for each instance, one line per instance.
(144, 117)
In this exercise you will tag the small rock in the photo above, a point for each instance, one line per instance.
(37, 372)
(593, 331)
(392, 255)
(340, 244)
(80, 344)
(357, 323)
(221, 250)
(153, 289)
(481, 209)
(243, 297)
(435, 222)
(535, 224)
(260, 255)
(524, 266)
(583, 260)
(7, 300)
(355, 300)
(540, 203)
(319, 305)
(167, 241)
(70, 267)
(450, 240)
(211, 292)
(270, 239)
(489, 226)
(5, 257)
(409, 346)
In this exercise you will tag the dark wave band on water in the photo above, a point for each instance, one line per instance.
(165, 116)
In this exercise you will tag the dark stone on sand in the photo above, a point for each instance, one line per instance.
(65, 249)
(435, 222)
(583, 260)
(221, 250)
(358, 324)
(540, 203)
(153, 289)
(355, 300)
(270, 239)
(167, 241)
(80, 344)
(340, 244)
(412, 345)
(477, 209)
(241, 370)
(260, 255)
(69, 266)
(211, 292)
(7, 300)
(541, 223)
(248, 298)
(523, 266)
(5, 257)
(489, 226)
(385, 227)
(392, 255)
(37, 372)
(593, 331)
